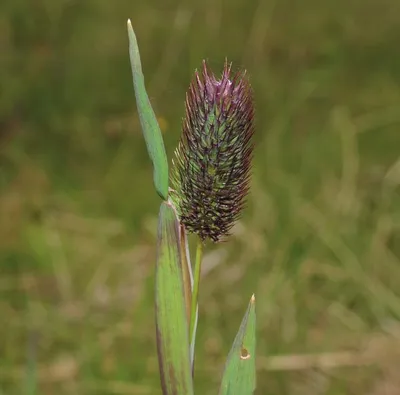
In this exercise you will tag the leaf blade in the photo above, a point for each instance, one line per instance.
(171, 318)
(150, 128)
(239, 376)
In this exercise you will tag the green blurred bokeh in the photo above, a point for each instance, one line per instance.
(319, 243)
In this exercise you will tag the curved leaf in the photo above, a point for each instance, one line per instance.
(151, 129)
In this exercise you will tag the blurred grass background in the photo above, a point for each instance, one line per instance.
(319, 243)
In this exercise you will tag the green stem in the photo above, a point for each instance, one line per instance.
(195, 293)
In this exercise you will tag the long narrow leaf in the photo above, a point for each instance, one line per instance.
(171, 318)
(151, 129)
(240, 369)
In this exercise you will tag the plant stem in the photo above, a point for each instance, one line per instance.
(195, 293)
(186, 272)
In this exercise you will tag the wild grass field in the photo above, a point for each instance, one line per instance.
(319, 242)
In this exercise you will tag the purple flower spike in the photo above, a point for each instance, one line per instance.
(211, 171)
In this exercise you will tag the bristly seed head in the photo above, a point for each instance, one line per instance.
(211, 173)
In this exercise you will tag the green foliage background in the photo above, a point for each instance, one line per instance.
(319, 243)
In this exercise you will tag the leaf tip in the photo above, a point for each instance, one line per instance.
(253, 299)
(129, 25)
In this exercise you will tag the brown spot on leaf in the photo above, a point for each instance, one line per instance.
(244, 353)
